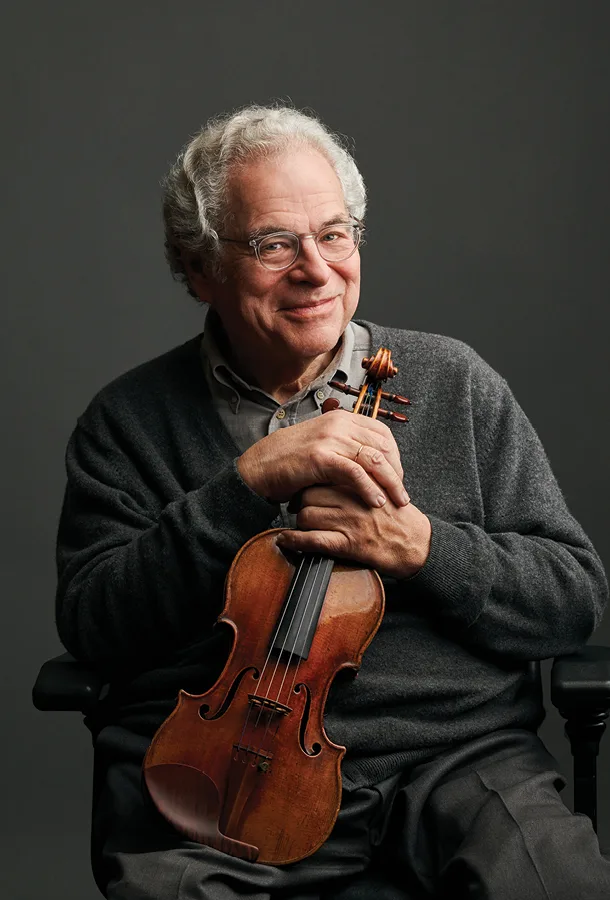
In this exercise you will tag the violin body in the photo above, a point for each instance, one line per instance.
(247, 767)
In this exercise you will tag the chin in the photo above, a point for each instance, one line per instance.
(316, 340)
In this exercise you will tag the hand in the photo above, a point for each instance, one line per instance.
(337, 448)
(394, 540)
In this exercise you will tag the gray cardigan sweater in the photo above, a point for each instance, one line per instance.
(155, 511)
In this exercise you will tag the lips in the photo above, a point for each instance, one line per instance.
(310, 304)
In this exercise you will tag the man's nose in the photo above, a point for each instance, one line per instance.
(309, 263)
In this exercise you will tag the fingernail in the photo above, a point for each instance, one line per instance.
(405, 498)
(381, 500)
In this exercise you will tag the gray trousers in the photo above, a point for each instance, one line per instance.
(483, 820)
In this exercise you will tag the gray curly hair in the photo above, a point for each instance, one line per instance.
(195, 196)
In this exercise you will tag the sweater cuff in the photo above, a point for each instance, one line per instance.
(238, 512)
(454, 581)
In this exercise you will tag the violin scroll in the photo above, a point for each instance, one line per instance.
(379, 368)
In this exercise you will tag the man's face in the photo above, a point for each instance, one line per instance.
(298, 312)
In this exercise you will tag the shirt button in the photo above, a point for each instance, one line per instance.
(320, 395)
(280, 414)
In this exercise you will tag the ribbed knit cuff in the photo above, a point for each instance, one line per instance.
(456, 578)
(238, 512)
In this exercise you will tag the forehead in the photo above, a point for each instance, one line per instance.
(297, 188)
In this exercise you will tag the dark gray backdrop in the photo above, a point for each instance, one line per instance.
(480, 130)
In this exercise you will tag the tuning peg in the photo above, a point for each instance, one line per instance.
(329, 404)
(392, 416)
(396, 398)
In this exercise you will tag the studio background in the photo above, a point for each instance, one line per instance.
(481, 132)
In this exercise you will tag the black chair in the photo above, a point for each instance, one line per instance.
(580, 689)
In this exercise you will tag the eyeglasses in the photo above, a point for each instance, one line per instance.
(280, 249)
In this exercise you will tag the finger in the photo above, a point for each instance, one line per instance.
(368, 431)
(335, 469)
(356, 431)
(378, 467)
(379, 443)
(327, 518)
(377, 434)
(334, 462)
(330, 496)
(328, 543)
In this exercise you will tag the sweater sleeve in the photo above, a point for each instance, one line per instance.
(139, 579)
(527, 584)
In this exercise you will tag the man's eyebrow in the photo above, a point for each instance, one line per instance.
(262, 230)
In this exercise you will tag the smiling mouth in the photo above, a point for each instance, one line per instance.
(311, 305)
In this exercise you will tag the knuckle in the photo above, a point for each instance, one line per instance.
(321, 542)
(302, 520)
(308, 497)
(359, 474)
(321, 459)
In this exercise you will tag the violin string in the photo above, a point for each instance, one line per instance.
(329, 563)
(366, 409)
(277, 631)
(284, 611)
(310, 604)
(368, 404)
(312, 561)
(311, 601)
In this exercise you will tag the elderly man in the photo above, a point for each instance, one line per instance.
(447, 790)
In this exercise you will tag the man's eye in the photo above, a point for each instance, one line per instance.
(274, 246)
(336, 234)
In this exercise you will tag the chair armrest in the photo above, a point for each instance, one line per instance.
(64, 683)
(580, 682)
(580, 689)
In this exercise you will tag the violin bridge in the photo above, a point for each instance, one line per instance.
(269, 705)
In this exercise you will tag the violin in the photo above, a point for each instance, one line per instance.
(247, 767)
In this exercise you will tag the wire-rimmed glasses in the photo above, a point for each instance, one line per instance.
(280, 249)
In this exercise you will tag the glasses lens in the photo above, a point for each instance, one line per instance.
(278, 250)
(338, 241)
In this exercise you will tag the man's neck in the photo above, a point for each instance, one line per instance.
(290, 386)
(282, 382)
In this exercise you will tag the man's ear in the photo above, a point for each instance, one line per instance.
(197, 275)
